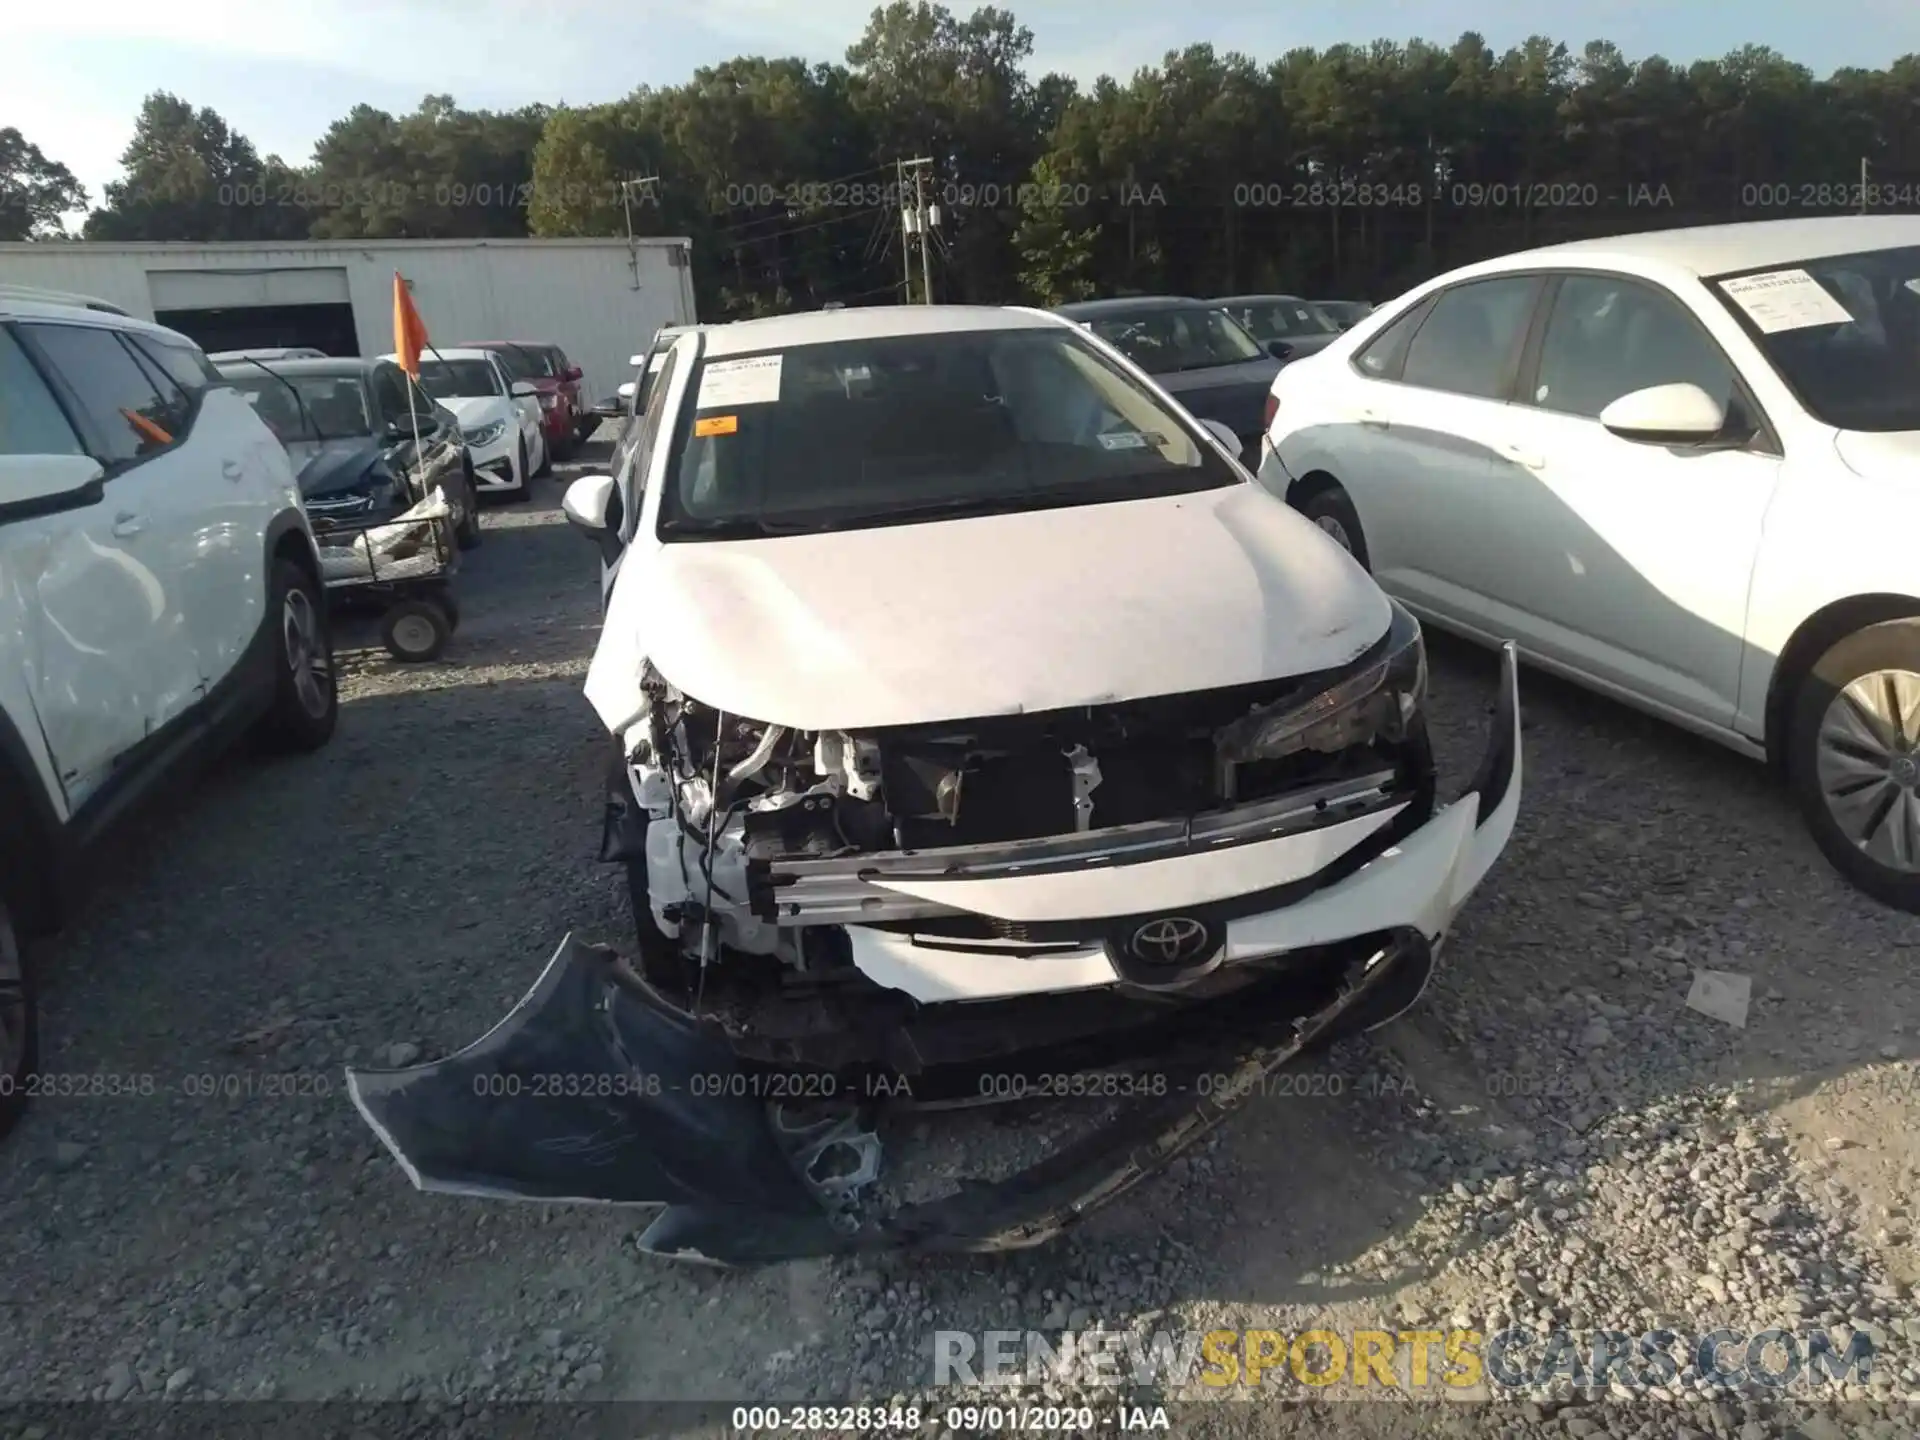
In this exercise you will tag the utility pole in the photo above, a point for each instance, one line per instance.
(1863, 184)
(915, 219)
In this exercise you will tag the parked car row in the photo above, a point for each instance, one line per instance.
(1681, 468)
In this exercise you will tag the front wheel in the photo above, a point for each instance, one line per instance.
(306, 700)
(19, 1024)
(1330, 508)
(1853, 759)
(525, 472)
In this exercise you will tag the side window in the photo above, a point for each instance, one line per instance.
(124, 401)
(1470, 336)
(423, 406)
(1387, 352)
(1607, 337)
(186, 367)
(638, 444)
(31, 421)
(389, 393)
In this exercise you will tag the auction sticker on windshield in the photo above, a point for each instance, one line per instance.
(753, 381)
(716, 425)
(1785, 300)
(1124, 440)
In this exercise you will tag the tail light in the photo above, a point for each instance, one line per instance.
(1272, 409)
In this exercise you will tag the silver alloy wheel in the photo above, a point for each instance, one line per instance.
(1869, 766)
(413, 634)
(13, 1000)
(306, 656)
(1338, 531)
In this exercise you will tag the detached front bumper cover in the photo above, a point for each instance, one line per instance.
(595, 1089)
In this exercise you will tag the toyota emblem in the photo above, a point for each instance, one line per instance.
(1170, 940)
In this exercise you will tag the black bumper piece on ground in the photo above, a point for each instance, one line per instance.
(593, 1089)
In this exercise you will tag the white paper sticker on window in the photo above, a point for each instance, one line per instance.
(1785, 300)
(727, 383)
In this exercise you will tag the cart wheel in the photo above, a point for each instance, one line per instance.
(415, 630)
(444, 599)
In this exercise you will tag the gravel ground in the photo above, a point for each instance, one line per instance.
(1551, 1138)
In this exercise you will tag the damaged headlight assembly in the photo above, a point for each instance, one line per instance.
(1379, 701)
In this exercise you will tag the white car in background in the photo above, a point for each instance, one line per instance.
(1681, 468)
(968, 709)
(499, 417)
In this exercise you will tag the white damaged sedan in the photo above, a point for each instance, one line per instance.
(980, 732)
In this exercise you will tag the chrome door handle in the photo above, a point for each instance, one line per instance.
(127, 524)
(1373, 419)
(233, 470)
(1526, 458)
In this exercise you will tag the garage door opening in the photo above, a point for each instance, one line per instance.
(327, 328)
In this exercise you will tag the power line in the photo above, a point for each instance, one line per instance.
(806, 186)
(802, 229)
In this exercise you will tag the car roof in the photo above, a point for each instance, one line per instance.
(509, 345)
(1708, 250)
(452, 352)
(301, 365)
(824, 327)
(1262, 300)
(24, 302)
(1132, 305)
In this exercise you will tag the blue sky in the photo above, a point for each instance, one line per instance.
(281, 70)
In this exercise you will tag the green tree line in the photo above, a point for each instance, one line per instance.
(1355, 170)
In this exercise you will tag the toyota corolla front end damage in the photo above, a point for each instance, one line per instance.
(1201, 888)
(1117, 798)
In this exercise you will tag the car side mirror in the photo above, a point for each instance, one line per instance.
(1279, 349)
(1666, 415)
(1223, 432)
(573, 373)
(523, 388)
(587, 504)
(33, 485)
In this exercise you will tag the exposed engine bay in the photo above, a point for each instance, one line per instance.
(720, 816)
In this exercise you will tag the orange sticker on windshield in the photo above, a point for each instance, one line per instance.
(717, 425)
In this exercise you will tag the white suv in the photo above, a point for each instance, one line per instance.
(159, 595)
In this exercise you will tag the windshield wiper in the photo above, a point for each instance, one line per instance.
(733, 527)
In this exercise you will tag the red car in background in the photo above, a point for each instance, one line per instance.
(566, 409)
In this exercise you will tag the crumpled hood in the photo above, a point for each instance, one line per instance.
(1876, 455)
(998, 615)
(327, 467)
(473, 411)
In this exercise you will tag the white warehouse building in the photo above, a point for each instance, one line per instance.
(599, 300)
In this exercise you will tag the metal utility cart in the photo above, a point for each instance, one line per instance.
(400, 567)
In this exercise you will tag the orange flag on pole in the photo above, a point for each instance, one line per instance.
(409, 330)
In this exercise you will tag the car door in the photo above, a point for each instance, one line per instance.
(111, 657)
(236, 479)
(1625, 561)
(1423, 422)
